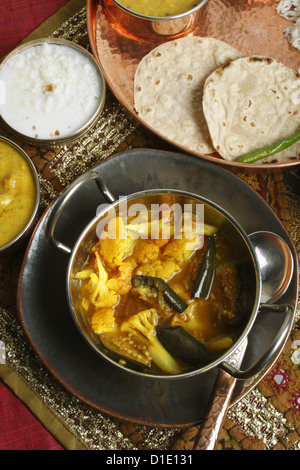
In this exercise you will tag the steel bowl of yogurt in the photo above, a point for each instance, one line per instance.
(52, 91)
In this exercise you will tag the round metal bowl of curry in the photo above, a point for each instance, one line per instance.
(164, 284)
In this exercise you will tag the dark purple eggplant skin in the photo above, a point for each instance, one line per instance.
(180, 344)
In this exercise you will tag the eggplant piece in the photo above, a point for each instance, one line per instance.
(182, 345)
(121, 359)
(155, 287)
(205, 276)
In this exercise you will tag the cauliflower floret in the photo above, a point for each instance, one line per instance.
(150, 225)
(115, 243)
(143, 327)
(158, 268)
(102, 320)
(122, 283)
(146, 250)
(96, 287)
(84, 274)
(181, 249)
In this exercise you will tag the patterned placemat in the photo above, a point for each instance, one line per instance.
(267, 418)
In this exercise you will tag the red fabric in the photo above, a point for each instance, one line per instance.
(19, 429)
(18, 18)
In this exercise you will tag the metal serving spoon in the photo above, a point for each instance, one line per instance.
(276, 266)
(275, 262)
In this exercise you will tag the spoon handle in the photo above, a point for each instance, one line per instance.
(216, 411)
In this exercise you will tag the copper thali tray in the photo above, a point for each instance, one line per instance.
(253, 27)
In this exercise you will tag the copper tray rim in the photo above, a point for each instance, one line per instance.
(90, 8)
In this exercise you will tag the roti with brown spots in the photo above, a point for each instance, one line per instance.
(250, 103)
(168, 88)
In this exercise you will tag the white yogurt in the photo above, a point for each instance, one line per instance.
(50, 91)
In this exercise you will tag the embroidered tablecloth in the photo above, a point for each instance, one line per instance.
(267, 418)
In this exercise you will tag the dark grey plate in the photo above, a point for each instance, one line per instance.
(42, 296)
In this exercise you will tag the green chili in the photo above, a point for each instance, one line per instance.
(269, 150)
(203, 282)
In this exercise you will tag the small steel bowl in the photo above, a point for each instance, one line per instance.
(18, 240)
(56, 141)
(153, 26)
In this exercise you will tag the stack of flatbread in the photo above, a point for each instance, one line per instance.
(203, 95)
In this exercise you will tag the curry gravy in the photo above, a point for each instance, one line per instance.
(17, 193)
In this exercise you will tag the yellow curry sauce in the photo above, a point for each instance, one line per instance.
(159, 8)
(17, 193)
(126, 320)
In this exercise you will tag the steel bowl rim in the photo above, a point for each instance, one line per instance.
(255, 265)
(161, 18)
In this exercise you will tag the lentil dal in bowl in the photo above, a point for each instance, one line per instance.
(150, 19)
(19, 196)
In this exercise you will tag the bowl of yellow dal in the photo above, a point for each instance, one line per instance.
(19, 196)
(152, 18)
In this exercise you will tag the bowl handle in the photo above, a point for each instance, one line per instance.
(273, 349)
(226, 380)
(64, 198)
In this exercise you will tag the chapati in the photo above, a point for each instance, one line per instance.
(168, 88)
(250, 103)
